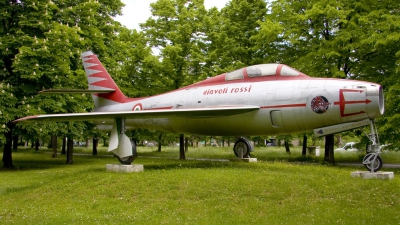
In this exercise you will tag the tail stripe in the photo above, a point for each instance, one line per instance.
(87, 64)
(99, 79)
(91, 72)
(93, 80)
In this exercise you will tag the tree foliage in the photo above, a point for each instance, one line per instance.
(176, 30)
(343, 39)
(41, 43)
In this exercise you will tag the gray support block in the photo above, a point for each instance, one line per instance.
(124, 168)
(376, 175)
(250, 160)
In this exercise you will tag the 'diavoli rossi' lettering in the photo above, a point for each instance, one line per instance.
(227, 90)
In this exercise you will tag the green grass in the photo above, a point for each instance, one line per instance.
(263, 154)
(43, 190)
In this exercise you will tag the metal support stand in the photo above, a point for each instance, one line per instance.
(122, 126)
(372, 161)
(374, 149)
(241, 150)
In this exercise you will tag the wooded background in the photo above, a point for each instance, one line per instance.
(182, 43)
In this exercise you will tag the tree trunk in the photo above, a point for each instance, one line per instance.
(186, 144)
(63, 152)
(159, 142)
(182, 146)
(304, 152)
(15, 143)
(287, 147)
(7, 151)
(329, 145)
(94, 148)
(54, 145)
(338, 140)
(70, 147)
(105, 142)
(37, 144)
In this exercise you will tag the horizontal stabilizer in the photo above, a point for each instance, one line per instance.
(75, 91)
(340, 128)
(143, 114)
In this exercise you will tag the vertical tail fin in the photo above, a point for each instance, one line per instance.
(99, 80)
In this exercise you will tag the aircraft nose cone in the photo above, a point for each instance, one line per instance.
(375, 101)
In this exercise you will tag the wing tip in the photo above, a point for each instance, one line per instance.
(24, 119)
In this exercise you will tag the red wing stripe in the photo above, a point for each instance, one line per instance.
(167, 107)
(284, 106)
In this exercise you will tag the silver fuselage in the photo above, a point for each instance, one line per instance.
(286, 106)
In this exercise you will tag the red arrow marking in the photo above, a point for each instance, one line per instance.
(342, 102)
(353, 102)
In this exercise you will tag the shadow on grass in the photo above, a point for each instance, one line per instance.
(173, 164)
(29, 159)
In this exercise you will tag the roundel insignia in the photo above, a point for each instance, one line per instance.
(319, 104)
(137, 107)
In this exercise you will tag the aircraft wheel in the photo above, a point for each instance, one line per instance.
(377, 165)
(129, 159)
(244, 146)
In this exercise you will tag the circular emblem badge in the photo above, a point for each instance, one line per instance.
(137, 107)
(319, 104)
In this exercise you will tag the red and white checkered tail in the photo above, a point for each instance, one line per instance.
(108, 93)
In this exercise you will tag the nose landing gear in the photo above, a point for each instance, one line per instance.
(372, 161)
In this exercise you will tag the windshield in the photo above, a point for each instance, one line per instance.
(262, 70)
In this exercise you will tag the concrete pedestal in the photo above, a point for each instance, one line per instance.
(250, 160)
(124, 168)
(376, 175)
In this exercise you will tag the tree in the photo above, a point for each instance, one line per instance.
(304, 147)
(329, 152)
(175, 28)
(54, 145)
(230, 33)
(137, 70)
(333, 39)
(40, 43)
(287, 138)
(182, 146)
(343, 39)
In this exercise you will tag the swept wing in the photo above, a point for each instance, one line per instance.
(142, 114)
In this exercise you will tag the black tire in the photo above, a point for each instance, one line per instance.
(377, 164)
(129, 159)
(242, 144)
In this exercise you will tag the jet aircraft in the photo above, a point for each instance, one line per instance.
(265, 99)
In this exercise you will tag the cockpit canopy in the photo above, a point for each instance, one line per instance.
(262, 70)
(256, 73)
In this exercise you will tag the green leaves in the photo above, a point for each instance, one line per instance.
(40, 47)
(176, 29)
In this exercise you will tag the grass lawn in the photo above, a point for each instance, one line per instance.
(42, 190)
